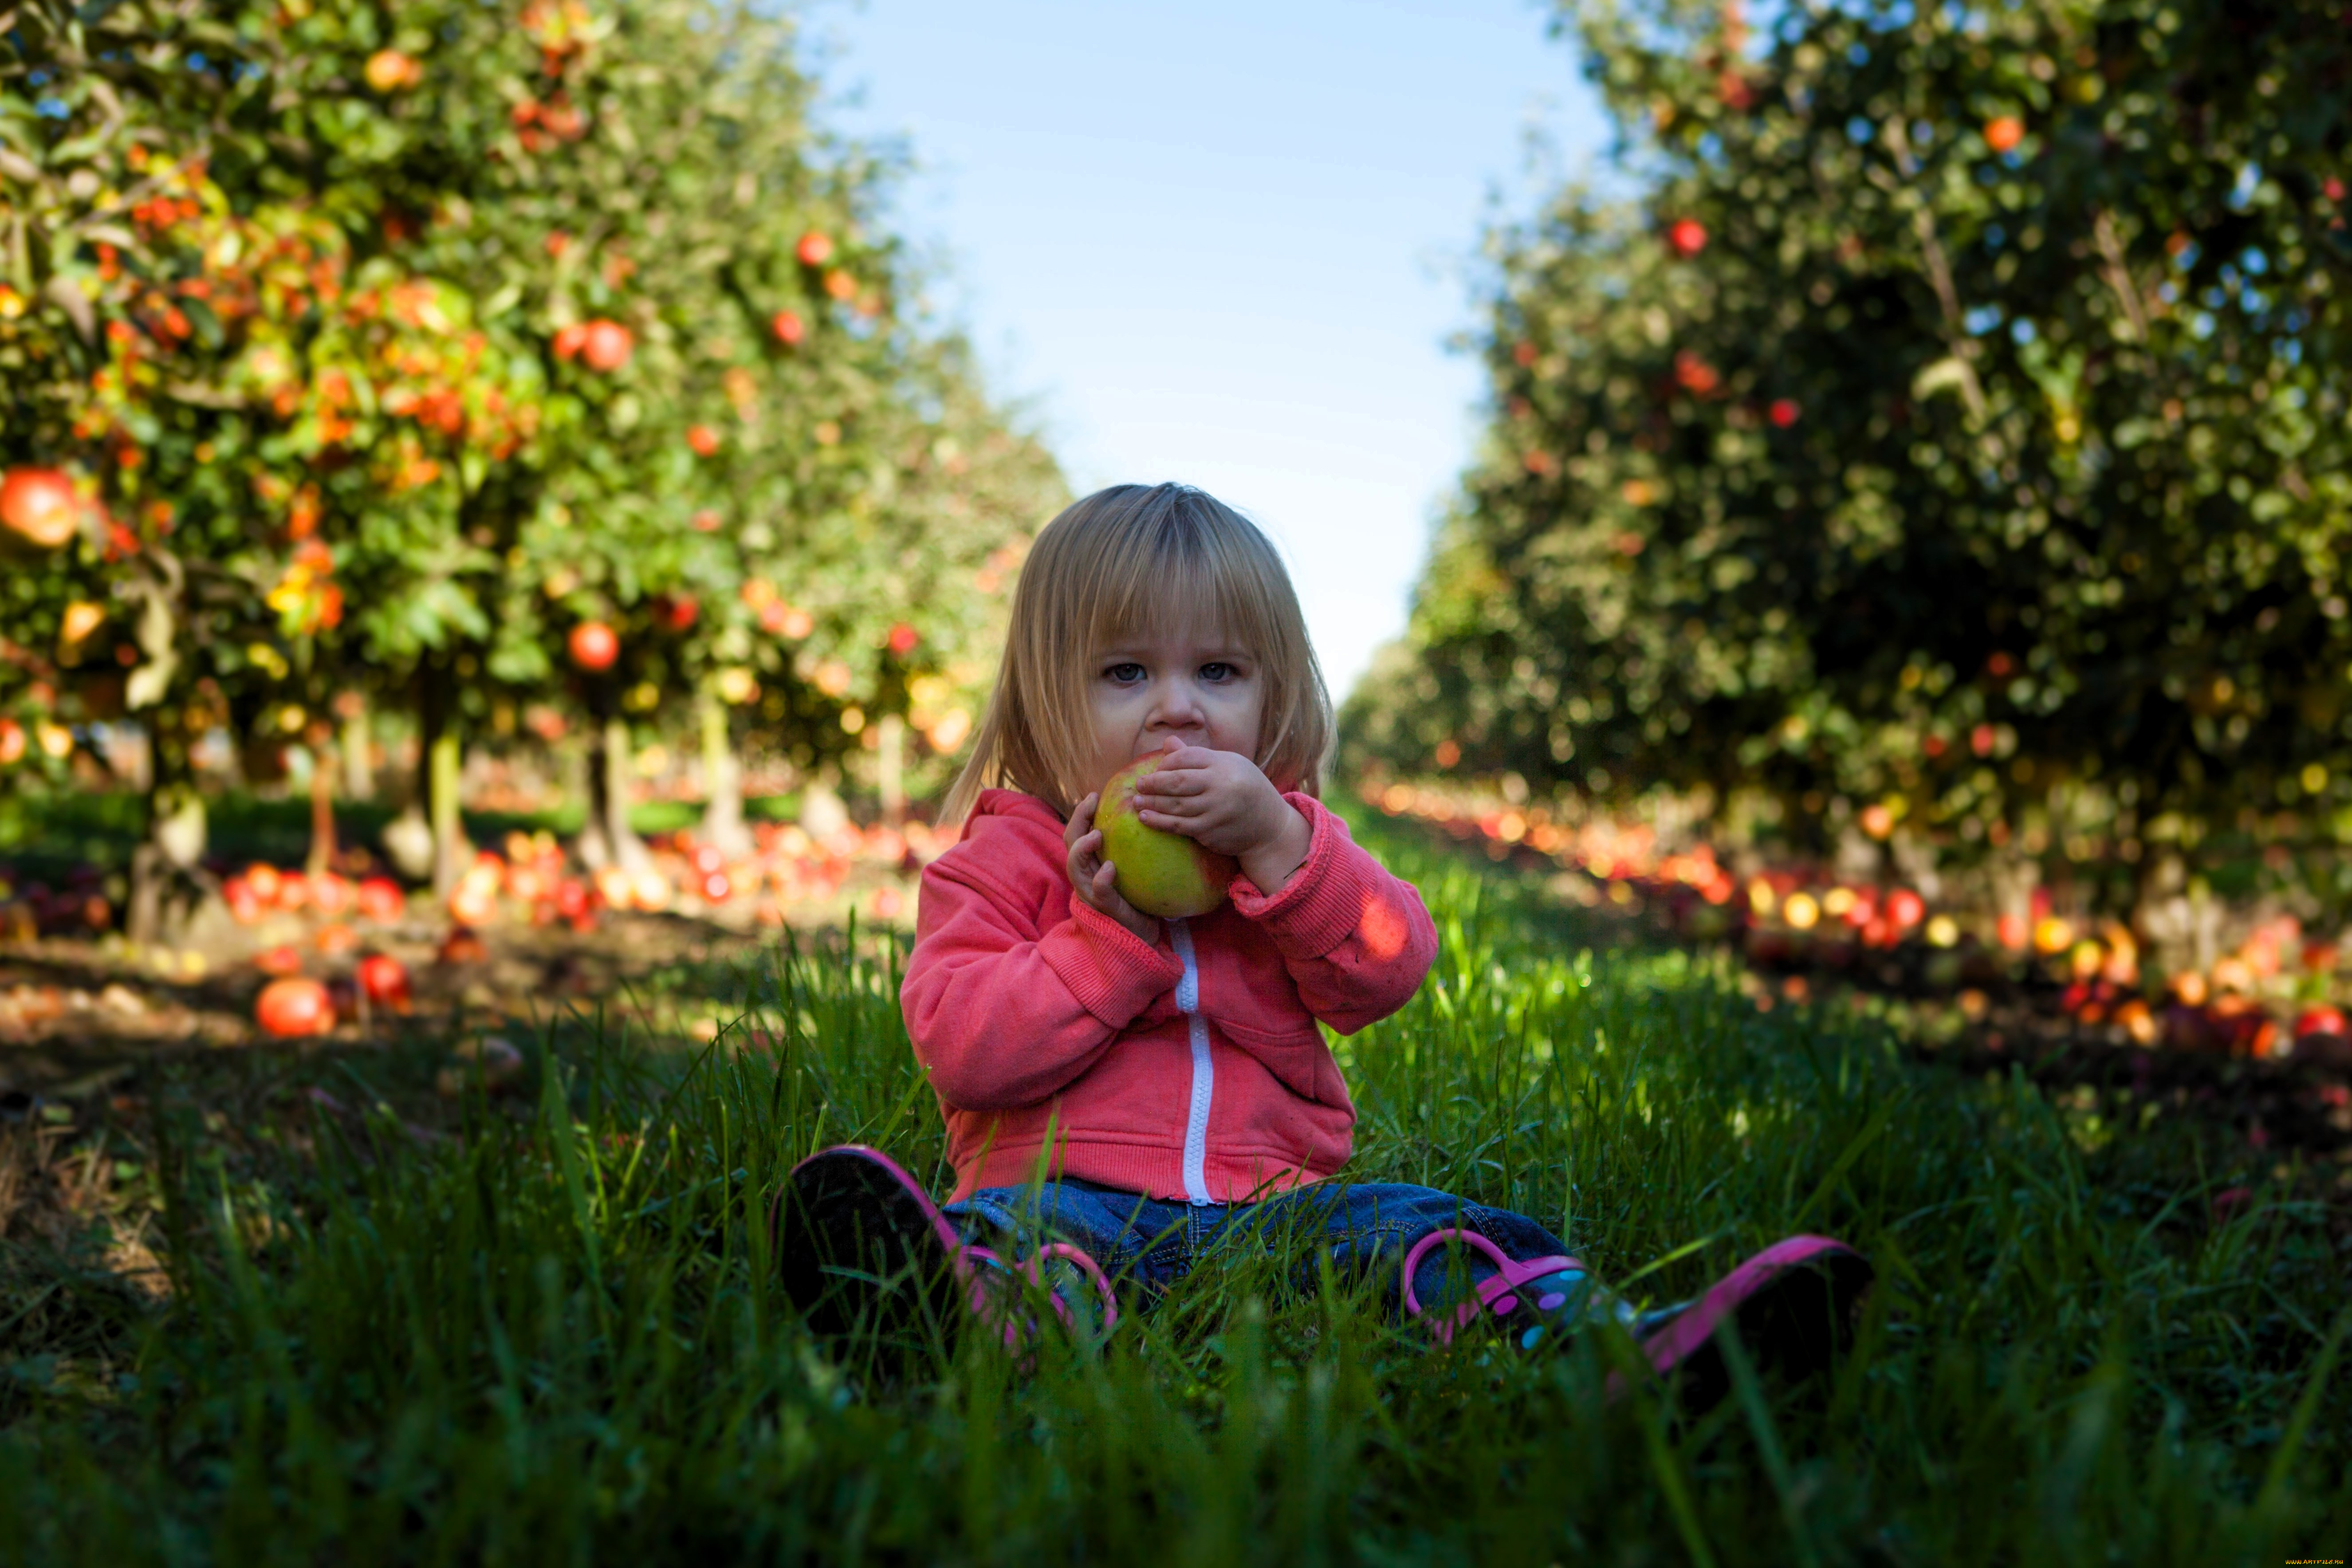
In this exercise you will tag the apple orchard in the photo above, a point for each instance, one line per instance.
(1910, 518)
(518, 376)
(1932, 475)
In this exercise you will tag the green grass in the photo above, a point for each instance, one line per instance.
(551, 1338)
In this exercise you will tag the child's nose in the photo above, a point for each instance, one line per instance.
(1176, 706)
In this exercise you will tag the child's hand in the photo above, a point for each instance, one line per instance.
(1222, 802)
(1094, 880)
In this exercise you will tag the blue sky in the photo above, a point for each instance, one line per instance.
(1226, 242)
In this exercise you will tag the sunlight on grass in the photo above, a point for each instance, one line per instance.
(550, 1336)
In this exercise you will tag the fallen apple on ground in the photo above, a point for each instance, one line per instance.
(1161, 873)
(294, 1007)
(384, 980)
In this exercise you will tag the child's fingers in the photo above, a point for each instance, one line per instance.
(1192, 781)
(1082, 816)
(1108, 899)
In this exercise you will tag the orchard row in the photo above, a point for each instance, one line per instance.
(2275, 992)
(456, 359)
(1948, 441)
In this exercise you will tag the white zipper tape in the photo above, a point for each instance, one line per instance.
(1204, 1071)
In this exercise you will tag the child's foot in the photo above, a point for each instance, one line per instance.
(861, 1248)
(1531, 1295)
(1793, 1306)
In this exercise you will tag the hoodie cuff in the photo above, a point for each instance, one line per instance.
(1322, 902)
(1114, 974)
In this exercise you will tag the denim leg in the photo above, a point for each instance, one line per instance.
(1367, 1226)
(1363, 1228)
(1133, 1238)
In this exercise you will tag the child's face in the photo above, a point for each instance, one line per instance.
(1192, 685)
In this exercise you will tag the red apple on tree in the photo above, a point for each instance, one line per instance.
(39, 506)
(903, 638)
(389, 70)
(1687, 237)
(815, 248)
(595, 647)
(606, 345)
(2003, 133)
(1694, 374)
(704, 440)
(789, 328)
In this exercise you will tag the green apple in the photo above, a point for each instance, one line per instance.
(1161, 873)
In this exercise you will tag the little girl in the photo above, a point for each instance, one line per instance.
(1130, 1094)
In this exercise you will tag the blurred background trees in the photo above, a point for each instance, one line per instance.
(1935, 430)
(535, 371)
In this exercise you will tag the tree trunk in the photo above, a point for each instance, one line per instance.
(440, 758)
(167, 882)
(891, 748)
(451, 852)
(723, 784)
(607, 838)
(822, 816)
(321, 858)
(359, 775)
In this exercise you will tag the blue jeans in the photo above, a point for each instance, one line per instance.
(1364, 1229)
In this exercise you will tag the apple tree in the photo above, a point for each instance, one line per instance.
(1948, 432)
(381, 354)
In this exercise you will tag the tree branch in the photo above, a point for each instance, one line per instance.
(2119, 275)
(1939, 266)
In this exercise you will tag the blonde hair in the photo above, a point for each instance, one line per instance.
(1129, 560)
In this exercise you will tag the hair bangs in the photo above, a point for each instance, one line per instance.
(1141, 562)
(1155, 590)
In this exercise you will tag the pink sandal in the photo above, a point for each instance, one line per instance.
(1498, 1293)
(860, 1246)
(1793, 1306)
(1021, 1330)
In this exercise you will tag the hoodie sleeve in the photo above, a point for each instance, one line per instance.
(1356, 938)
(1005, 1015)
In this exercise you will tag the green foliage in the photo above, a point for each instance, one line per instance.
(555, 1337)
(1983, 441)
(394, 345)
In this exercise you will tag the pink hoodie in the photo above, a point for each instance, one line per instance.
(1189, 1070)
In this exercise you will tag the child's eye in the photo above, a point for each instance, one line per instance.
(1216, 671)
(1124, 674)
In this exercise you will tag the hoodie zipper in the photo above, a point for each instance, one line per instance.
(1204, 1072)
